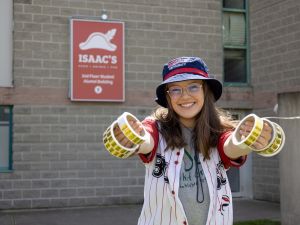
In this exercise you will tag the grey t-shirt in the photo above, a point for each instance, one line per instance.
(195, 202)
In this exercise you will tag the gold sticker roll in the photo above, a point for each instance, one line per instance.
(271, 124)
(276, 144)
(113, 146)
(124, 124)
(251, 138)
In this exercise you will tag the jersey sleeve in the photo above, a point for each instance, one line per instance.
(151, 127)
(225, 159)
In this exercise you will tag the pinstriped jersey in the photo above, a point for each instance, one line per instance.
(162, 205)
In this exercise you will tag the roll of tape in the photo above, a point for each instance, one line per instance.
(251, 138)
(276, 145)
(113, 146)
(128, 131)
(273, 127)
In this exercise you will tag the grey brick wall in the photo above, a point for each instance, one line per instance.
(275, 66)
(59, 159)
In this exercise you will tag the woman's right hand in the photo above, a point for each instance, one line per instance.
(264, 138)
(122, 139)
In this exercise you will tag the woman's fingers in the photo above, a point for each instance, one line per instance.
(264, 138)
(122, 139)
(136, 126)
(246, 128)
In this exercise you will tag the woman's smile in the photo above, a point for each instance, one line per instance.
(187, 105)
(186, 99)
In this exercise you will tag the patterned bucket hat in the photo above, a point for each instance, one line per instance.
(186, 68)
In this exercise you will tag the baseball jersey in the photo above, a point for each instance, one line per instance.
(162, 205)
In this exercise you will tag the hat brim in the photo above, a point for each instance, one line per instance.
(215, 86)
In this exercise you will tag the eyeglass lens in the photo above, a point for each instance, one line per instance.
(177, 91)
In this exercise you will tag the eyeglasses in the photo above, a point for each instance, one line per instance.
(177, 91)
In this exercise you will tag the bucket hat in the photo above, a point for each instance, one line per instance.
(186, 68)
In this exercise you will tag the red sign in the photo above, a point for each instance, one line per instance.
(97, 60)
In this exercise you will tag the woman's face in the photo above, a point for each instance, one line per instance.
(186, 99)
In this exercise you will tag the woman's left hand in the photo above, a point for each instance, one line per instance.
(264, 138)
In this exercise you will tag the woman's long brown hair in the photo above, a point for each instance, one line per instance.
(210, 123)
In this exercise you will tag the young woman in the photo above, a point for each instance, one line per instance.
(189, 149)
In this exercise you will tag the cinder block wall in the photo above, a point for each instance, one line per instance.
(289, 166)
(275, 67)
(59, 159)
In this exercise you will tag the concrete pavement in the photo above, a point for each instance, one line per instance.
(244, 209)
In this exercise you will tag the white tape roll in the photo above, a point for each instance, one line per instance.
(273, 127)
(128, 131)
(247, 142)
(276, 145)
(113, 146)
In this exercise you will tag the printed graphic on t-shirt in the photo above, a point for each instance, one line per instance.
(189, 173)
